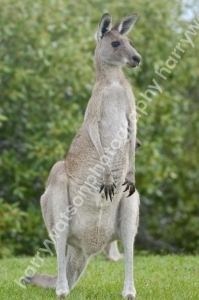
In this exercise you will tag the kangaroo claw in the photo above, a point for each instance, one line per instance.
(108, 190)
(125, 182)
(101, 188)
(129, 186)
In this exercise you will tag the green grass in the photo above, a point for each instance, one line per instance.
(156, 278)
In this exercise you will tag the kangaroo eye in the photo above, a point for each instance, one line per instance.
(115, 44)
(131, 43)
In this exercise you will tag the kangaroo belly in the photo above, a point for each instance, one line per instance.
(94, 224)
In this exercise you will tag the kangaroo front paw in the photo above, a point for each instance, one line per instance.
(108, 185)
(130, 185)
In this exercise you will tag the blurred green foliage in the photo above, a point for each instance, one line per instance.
(46, 78)
(10, 226)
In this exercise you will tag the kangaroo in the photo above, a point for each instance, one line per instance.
(76, 205)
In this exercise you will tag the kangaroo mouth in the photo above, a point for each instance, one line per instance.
(133, 65)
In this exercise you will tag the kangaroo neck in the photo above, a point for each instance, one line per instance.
(107, 72)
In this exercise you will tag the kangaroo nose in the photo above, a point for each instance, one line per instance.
(136, 59)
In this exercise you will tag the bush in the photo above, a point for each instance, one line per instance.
(10, 227)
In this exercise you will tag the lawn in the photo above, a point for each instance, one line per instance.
(156, 278)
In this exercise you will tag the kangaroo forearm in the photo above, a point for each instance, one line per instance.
(132, 148)
(93, 130)
(132, 155)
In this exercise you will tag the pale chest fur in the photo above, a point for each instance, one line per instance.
(117, 103)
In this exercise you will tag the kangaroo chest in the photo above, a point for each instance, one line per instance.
(113, 126)
(113, 117)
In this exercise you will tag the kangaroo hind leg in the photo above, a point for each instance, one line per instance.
(54, 204)
(76, 262)
(112, 252)
(129, 215)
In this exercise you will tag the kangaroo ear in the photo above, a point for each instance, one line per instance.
(104, 26)
(125, 25)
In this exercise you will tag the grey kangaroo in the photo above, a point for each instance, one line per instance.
(76, 205)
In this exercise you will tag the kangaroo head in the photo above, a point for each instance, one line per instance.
(113, 47)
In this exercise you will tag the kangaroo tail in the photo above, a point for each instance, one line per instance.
(43, 280)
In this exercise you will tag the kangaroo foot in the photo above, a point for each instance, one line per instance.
(128, 295)
(116, 257)
(61, 294)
